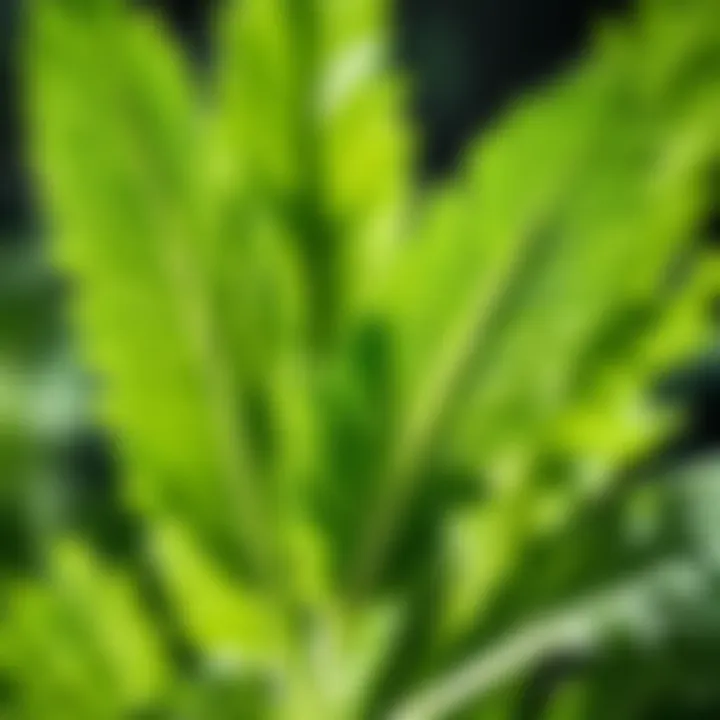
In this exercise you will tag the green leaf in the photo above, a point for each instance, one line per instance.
(78, 640)
(574, 216)
(117, 149)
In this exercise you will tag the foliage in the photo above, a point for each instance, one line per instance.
(380, 437)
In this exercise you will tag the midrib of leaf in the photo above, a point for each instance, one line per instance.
(239, 476)
(576, 626)
(437, 398)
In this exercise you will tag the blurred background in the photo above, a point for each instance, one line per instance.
(469, 59)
